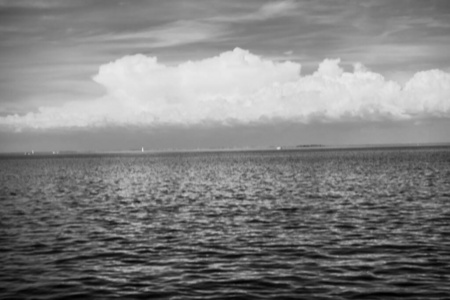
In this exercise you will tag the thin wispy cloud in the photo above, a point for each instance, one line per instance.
(265, 11)
(36, 4)
(167, 35)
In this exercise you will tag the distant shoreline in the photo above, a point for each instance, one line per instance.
(299, 147)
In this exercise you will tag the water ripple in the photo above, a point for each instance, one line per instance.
(327, 224)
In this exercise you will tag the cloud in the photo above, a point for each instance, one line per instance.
(167, 35)
(240, 87)
(275, 9)
(35, 4)
(267, 11)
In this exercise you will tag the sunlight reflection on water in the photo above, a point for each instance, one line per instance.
(319, 224)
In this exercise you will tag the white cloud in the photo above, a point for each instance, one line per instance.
(238, 86)
(330, 67)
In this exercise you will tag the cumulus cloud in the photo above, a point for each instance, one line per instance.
(240, 87)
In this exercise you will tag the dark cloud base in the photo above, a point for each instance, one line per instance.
(227, 137)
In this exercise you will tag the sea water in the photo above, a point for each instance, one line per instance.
(304, 224)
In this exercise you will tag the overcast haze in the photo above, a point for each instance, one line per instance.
(117, 75)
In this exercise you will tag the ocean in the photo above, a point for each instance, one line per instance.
(370, 223)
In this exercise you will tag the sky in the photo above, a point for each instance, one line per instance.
(98, 75)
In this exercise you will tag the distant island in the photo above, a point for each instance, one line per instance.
(310, 146)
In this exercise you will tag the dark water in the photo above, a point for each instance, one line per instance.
(328, 224)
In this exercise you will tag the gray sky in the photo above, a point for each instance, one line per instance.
(106, 74)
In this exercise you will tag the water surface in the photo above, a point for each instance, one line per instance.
(310, 224)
